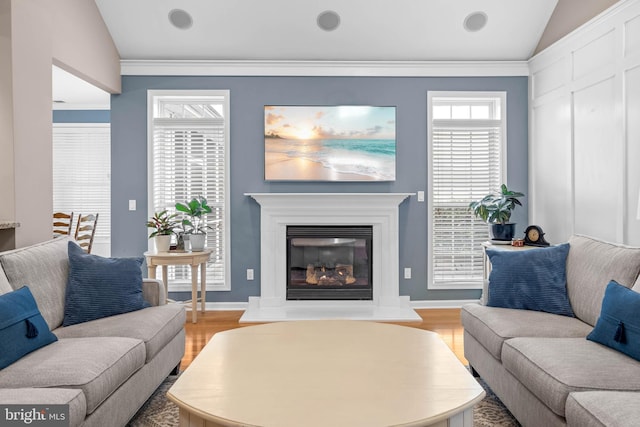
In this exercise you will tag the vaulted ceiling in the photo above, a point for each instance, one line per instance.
(352, 30)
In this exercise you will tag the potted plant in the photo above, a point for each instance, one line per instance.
(195, 223)
(495, 210)
(164, 224)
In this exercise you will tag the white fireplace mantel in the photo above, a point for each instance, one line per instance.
(379, 210)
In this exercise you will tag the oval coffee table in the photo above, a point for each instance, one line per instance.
(326, 373)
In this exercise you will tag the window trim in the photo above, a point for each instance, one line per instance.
(502, 95)
(151, 94)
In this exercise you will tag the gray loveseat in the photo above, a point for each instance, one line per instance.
(104, 369)
(541, 365)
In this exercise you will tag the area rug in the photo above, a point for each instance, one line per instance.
(160, 412)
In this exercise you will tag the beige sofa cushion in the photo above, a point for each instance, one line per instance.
(97, 366)
(155, 326)
(603, 408)
(52, 396)
(44, 268)
(551, 368)
(491, 326)
(591, 265)
(4, 283)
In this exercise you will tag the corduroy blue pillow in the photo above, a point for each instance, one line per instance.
(534, 279)
(22, 327)
(618, 326)
(99, 287)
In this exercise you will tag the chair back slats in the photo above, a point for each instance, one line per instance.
(86, 231)
(62, 223)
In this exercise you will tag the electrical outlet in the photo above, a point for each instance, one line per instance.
(407, 273)
(249, 273)
(421, 196)
(132, 205)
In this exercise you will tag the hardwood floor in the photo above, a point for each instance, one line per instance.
(445, 322)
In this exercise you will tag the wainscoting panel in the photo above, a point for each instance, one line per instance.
(632, 96)
(597, 159)
(584, 137)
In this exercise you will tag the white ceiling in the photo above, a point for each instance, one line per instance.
(70, 92)
(376, 30)
(371, 30)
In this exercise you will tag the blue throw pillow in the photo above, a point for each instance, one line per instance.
(533, 279)
(618, 326)
(98, 287)
(22, 327)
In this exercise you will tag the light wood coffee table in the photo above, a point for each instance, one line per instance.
(326, 373)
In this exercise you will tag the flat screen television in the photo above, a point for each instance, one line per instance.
(329, 143)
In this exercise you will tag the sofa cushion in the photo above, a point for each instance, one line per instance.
(99, 287)
(44, 268)
(551, 368)
(491, 326)
(74, 398)
(618, 326)
(530, 280)
(22, 327)
(156, 326)
(603, 408)
(591, 265)
(4, 283)
(97, 366)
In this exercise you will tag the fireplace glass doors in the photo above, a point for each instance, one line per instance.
(329, 263)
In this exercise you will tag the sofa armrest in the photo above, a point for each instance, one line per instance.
(153, 291)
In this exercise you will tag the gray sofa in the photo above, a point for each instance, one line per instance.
(542, 366)
(104, 369)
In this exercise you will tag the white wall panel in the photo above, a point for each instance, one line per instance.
(603, 163)
(549, 78)
(632, 37)
(551, 181)
(632, 94)
(594, 55)
(597, 162)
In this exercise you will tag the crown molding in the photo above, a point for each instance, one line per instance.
(324, 68)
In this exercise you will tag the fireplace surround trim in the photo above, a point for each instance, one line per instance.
(379, 210)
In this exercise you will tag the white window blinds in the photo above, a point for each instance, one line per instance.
(82, 176)
(188, 160)
(466, 164)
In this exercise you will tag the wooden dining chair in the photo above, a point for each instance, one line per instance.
(86, 230)
(62, 223)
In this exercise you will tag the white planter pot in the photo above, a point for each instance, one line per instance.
(197, 242)
(162, 243)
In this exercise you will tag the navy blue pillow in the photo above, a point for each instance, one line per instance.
(618, 326)
(22, 327)
(533, 279)
(98, 287)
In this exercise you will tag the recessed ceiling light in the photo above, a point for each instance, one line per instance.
(475, 21)
(328, 20)
(180, 19)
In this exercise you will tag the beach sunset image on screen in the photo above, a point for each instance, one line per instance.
(330, 143)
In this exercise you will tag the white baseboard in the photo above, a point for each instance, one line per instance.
(442, 303)
(229, 306)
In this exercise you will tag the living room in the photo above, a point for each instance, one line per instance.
(562, 103)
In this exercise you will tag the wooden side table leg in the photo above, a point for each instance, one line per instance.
(151, 271)
(203, 285)
(194, 293)
(165, 280)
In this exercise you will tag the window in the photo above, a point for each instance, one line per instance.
(188, 152)
(466, 162)
(82, 176)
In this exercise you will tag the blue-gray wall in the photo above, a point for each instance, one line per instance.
(248, 97)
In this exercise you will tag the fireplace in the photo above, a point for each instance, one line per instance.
(329, 262)
(280, 211)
